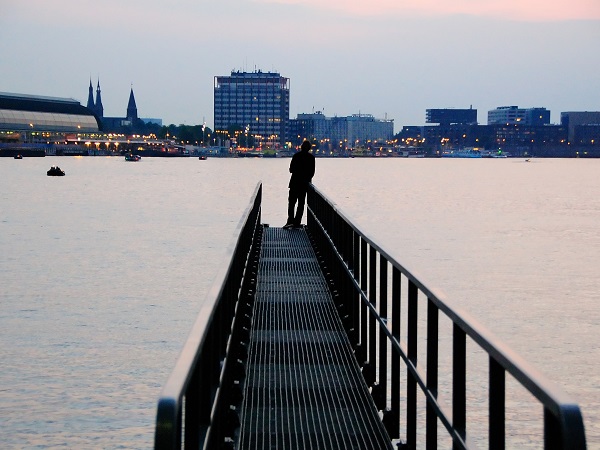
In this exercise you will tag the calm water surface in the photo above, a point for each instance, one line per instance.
(104, 270)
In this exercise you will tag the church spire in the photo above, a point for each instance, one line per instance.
(90, 102)
(99, 107)
(131, 107)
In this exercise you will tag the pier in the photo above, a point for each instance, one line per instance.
(318, 338)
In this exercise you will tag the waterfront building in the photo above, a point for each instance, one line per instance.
(583, 126)
(513, 131)
(456, 136)
(527, 140)
(513, 115)
(516, 140)
(357, 130)
(450, 116)
(255, 103)
(38, 119)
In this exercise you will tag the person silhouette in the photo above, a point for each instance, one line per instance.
(302, 168)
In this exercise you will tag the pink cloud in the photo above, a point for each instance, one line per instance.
(525, 10)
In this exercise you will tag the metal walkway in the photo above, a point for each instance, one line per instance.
(268, 363)
(304, 388)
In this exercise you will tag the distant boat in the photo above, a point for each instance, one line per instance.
(202, 158)
(465, 153)
(19, 156)
(132, 157)
(55, 171)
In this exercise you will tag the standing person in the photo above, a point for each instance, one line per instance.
(302, 169)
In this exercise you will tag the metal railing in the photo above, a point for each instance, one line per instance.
(195, 402)
(371, 303)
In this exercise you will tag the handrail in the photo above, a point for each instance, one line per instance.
(358, 269)
(199, 369)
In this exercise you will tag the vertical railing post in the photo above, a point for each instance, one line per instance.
(459, 383)
(497, 400)
(553, 439)
(370, 370)
(353, 297)
(364, 314)
(356, 300)
(393, 422)
(432, 371)
(379, 391)
(411, 385)
(383, 339)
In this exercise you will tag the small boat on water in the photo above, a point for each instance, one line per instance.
(132, 157)
(462, 153)
(19, 156)
(202, 158)
(55, 171)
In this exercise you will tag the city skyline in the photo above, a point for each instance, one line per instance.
(384, 58)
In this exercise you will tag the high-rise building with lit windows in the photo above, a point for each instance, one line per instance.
(256, 102)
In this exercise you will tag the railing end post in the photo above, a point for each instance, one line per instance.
(167, 434)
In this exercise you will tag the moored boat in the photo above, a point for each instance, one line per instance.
(55, 171)
(132, 157)
(462, 153)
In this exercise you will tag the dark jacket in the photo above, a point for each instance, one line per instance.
(302, 168)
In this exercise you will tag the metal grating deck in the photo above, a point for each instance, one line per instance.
(304, 389)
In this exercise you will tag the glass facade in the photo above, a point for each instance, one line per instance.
(46, 121)
(29, 113)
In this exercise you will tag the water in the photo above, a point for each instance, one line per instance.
(104, 270)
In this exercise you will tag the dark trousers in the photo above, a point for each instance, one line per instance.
(296, 195)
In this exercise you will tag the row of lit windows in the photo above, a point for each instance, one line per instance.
(246, 108)
(251, 99)
(234, 102)
(253, 125)
(256, 86)
(265, 124)
(250, 87)
(248, 103)
(250, 94)
(248, 113)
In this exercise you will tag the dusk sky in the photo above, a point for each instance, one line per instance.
(389, 58)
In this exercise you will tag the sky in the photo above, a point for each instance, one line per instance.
(390, 58)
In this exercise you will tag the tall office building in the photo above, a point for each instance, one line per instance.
(257, 102)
